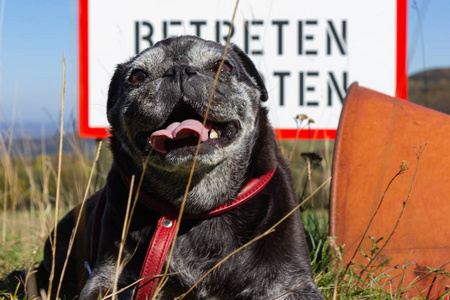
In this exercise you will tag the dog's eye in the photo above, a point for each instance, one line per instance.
(138, 76)
(226, 67)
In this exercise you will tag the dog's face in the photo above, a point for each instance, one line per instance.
(158, 100)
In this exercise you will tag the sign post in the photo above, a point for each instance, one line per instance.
(307, 51)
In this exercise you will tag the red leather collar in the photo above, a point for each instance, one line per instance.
(253, 187)
(166, 227)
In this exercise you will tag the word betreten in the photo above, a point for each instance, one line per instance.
(305, 33)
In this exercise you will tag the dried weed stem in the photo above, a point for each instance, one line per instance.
(80, 213)
(419, 150)
(401, 171)
(191, 174)
(127, 221)
(58, 181)
(267, 232)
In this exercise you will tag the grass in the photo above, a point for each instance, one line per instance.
(29, 188)
(29, 222)
(21, 246)
(37, 190)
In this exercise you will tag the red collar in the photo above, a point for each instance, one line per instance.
(253, 187)
(166, 227)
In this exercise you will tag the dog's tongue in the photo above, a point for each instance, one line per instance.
(178, 131)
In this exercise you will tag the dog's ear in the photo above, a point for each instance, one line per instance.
(115, 86)
(251, 70)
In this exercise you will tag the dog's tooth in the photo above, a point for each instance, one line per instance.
(213, 134)
(148, 146)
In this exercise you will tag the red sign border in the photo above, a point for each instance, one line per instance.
(85, 131)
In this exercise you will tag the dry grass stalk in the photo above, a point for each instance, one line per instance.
(9, 175)
(58, 181)
(401, 171)
(74, 232)
(141, 179)
(127, 223)
(292, 290)
(125, 226)
(188, 185)
(6, 166)
(133, 284)
(44, 205)
(268, 231)
(299, 120)
(419, 152)
(14, 181)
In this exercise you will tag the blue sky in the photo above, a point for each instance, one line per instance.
(34, 35)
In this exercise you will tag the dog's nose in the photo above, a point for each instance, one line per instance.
(180, 70)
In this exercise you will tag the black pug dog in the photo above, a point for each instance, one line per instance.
(241, 186)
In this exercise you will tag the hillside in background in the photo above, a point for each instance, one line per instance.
(72, 143)
(31, 139)
(431, 89)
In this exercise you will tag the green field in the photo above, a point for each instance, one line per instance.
(28, 193)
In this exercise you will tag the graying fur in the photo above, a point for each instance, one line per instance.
(219, 173)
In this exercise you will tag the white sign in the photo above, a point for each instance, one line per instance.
(308, 52)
